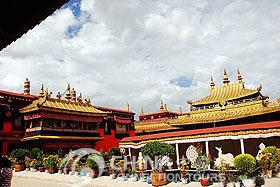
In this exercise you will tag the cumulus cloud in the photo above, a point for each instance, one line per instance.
(142, 51)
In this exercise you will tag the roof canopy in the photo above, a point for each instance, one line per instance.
(51, 104)
(226, 92)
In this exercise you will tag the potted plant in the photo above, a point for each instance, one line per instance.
(159, 153)
(134, 176)
(183, 167)
(27, 161)
(92, 165)
(222, 164)
(111, 166)
(201, 164)
(246, 165)
(121, 167)
(18, 157)
(40, 165)
(51, 163)
(114, 152)
(268, 159)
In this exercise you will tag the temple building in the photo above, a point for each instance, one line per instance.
(232, 117)
(66, 121)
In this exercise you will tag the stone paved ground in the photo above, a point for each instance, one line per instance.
(37, 179)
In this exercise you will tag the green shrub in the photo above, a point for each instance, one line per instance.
(114, 151)
(269, 157)
(245, 164)
(91, 164)
(34, 153)
(157, 148)
(18, 155)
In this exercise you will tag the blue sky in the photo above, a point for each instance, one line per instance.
(144, 51)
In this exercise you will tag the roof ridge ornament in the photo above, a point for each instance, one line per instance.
(42, 91)
(127, 107)
(68, 93)
(212, 83)
(161, 105)
(226, 80)
(142, 110)
(239, 76)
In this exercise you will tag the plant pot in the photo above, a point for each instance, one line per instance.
(33, 169)
(159, 179)
(184, 181)
(83, 173)
(269, 173)
(19, 167)
(204, 182)
(237, 184)
(134, 178)
(113, 176)
(94, 173)
(41, 169)
(65, 171)
(249, 182)
(230, 184)
(51, 170)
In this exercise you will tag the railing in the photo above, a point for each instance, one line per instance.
(59, 130)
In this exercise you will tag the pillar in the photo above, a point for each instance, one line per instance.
(177, 154)
(207, 150)
(242, 146)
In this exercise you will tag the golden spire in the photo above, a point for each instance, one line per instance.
(80, 98)
(68, 93)
(180, 110)
(26, 87)
(239, 76)
(142, 110)
(42, 92)
(73, 95)
(212, 84)
(161, 105)
(127, 107)
(226, 80)
(165, 107)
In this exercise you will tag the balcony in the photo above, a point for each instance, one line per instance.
(59, 132)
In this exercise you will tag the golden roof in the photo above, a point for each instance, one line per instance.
(231, 112)
(61, 105)
(226, 92)
(153, 125)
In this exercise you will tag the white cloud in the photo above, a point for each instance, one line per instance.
(130, 50)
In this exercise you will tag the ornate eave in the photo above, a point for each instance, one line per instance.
(215, 133)
(62, 106)
(229, 113)
(226, 92)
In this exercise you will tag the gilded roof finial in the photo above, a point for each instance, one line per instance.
(26, 87)
(127, 107)
(161, 105)
(239, 76)
(212, 84)
(73, 95)
(180, 110)
(80, 98)
(226, 80)
(42, 92)
(142, 110)
(58, 96)
(68, 93)
(165, 107)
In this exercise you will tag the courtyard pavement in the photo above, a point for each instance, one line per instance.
(37, 179)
